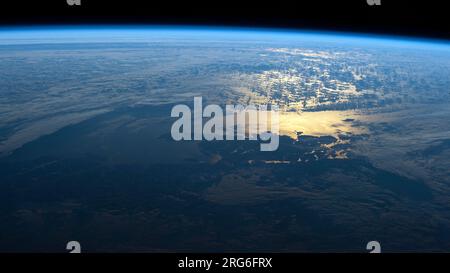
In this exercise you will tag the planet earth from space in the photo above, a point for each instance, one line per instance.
(86, 152)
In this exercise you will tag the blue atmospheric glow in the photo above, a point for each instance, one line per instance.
(111, 33)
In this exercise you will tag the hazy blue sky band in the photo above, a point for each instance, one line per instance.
(109, 33)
